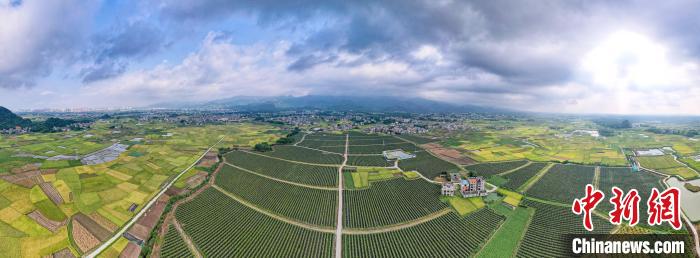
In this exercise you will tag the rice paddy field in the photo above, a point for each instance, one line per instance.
(104, 191)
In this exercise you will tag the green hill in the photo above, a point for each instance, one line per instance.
(10, 120)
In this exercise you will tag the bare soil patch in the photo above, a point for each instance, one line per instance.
(83, 238)
(45, 222)
(51, 192)
(93, 227)
(451, 155)
(104, 222)
(27, 179)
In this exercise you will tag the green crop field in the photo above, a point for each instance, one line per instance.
(390, 202)
(222, 227)
(428, 165)
(312, 206)
(174, 245)
(285, 170)
(545, 236)
(521, 176)
(447, 236)
(304, 155)
(505, 241)
(563, 183)
(371, 161)
(489, 169)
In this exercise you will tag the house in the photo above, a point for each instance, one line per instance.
(455, 178)
(473, 186)
(448, 189)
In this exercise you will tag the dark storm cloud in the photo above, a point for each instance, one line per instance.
(114, 49)
(527, 43)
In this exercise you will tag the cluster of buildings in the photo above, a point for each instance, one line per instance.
(467, 187)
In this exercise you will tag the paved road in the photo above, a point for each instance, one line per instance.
(133, 220)
(339, 222)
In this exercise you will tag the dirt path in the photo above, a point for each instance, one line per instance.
(407, 224)
(275, 216)
(596, 177)
(339, 222)
(515, 169)
(281, 180)
(292, 161)
(534, 180)
(302, 139)
(187, 239)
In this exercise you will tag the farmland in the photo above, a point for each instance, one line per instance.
(390, 202)
(208, 221)
(490, 169)
(563, 183)
(286, 170)
(546, 234)
(58, 190)
(313, 206)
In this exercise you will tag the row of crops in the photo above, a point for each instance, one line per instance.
(390, 202)
(490, 169)
(308, 205)
(374, 140)
(304, 155)
(517, 178)
(446, 236)
(563, 183)
(417, 139)
(427, 164)
(174, 245)
(322, 143)
(369, 161)
(546, 234)
(378, 149)
(625, 179)
(286, 170)
(221, 227)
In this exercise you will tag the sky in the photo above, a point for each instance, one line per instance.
(608, 57)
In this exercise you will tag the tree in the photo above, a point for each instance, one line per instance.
(262, 147)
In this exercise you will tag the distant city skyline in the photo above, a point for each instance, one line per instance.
(621, 57)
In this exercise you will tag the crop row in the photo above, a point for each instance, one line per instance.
(377, 149)
(174, 246)
(312, 206)
(304, 155)
(447, 236)
(520, 176)
(417, 139)
(221, 227)
(546, 236)
(369, 161)
(286, 170)
(563, 183)
(489, 169)
(427, 164)
(374, 140)
(390, 202)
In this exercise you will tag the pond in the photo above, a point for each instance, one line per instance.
(690, 202)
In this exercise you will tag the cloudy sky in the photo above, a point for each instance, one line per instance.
(620, 57)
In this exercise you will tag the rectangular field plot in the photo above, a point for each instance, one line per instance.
(625, 179)
(447, 236)
(221, 227)
(174, 245)
(427, 164)
(563, 183)
(373, 140)
(304, 155)
(369, 161)
(308, 205)
(417, 139)
(289, 171)
(489, 169)
(390, 202)
(517, 178)
(546, 235)
(323, 143)
(378, 148)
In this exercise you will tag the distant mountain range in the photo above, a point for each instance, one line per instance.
(334, 103)
(10, 120)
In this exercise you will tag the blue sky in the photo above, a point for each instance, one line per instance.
(622, 57)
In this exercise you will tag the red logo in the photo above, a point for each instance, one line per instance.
(625, 208)
(664, 207)
(587, 204)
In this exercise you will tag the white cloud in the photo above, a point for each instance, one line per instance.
(37, 35)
